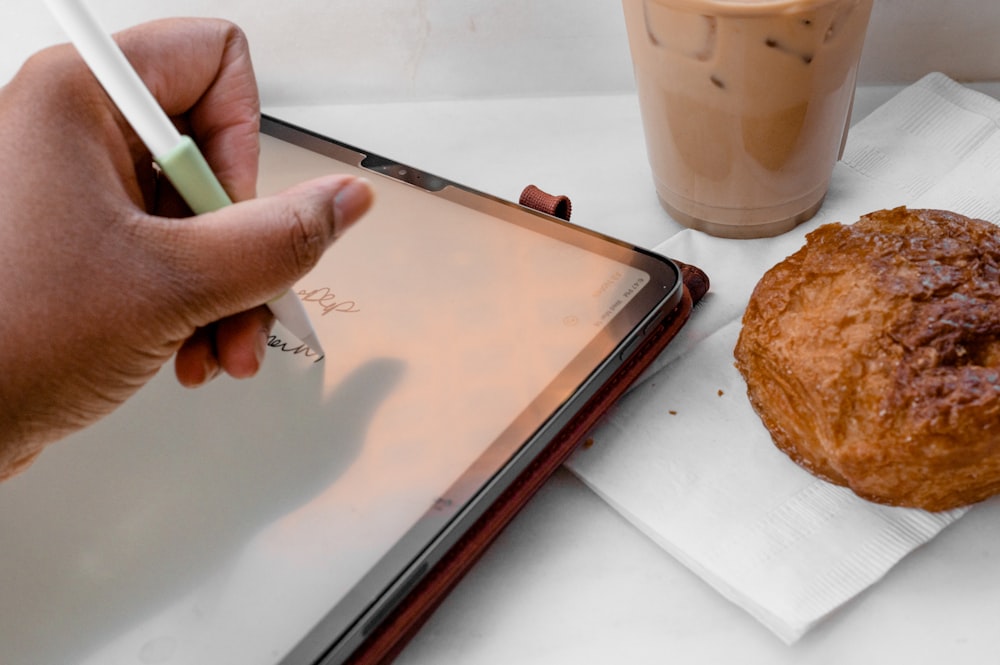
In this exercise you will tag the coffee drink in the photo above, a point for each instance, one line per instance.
(745, 105)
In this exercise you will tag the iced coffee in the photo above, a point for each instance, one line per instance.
(745, 105)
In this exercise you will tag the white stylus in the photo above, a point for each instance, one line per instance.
(177, 155)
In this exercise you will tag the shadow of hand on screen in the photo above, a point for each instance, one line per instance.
(139, 509)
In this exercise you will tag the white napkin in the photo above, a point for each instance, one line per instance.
(686, 459)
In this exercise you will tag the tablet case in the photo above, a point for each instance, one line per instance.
(386, 641)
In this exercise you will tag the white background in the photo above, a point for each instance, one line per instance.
(335, 51)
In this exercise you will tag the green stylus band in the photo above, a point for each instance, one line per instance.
(191, 176)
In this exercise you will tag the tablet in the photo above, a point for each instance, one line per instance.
(283, 519)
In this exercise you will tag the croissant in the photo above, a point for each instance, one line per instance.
(872, 356)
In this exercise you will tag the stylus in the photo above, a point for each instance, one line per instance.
(177, 155)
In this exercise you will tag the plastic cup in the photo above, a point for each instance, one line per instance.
(745, 105)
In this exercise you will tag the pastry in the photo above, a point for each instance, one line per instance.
(872, 355)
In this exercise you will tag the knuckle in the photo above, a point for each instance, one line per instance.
(307, 242)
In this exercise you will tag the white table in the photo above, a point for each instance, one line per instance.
(570, 581)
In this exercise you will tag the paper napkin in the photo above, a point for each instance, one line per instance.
(685, 458)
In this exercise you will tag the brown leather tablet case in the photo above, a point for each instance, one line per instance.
(404, 621)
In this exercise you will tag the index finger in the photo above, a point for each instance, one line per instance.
(200, 72)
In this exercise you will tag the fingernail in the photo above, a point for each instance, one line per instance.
(350, 202)
(212, 369)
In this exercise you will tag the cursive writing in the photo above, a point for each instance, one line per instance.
(327, 300)
(275, 342)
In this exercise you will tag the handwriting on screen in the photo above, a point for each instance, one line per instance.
(295, 348)
(327, 301)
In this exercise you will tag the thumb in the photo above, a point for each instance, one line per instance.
(243, 255)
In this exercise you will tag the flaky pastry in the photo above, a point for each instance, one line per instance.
(872, 355)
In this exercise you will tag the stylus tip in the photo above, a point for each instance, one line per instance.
(312, 341)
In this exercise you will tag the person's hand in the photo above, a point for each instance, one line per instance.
(103, 275)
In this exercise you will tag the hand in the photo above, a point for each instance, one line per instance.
(103, 277)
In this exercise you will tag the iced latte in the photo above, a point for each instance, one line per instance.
(745, 105)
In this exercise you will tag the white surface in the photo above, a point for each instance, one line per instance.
(589, 147)
(309, 52)
(570, 580)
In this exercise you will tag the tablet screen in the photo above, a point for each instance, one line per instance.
(259, 521)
